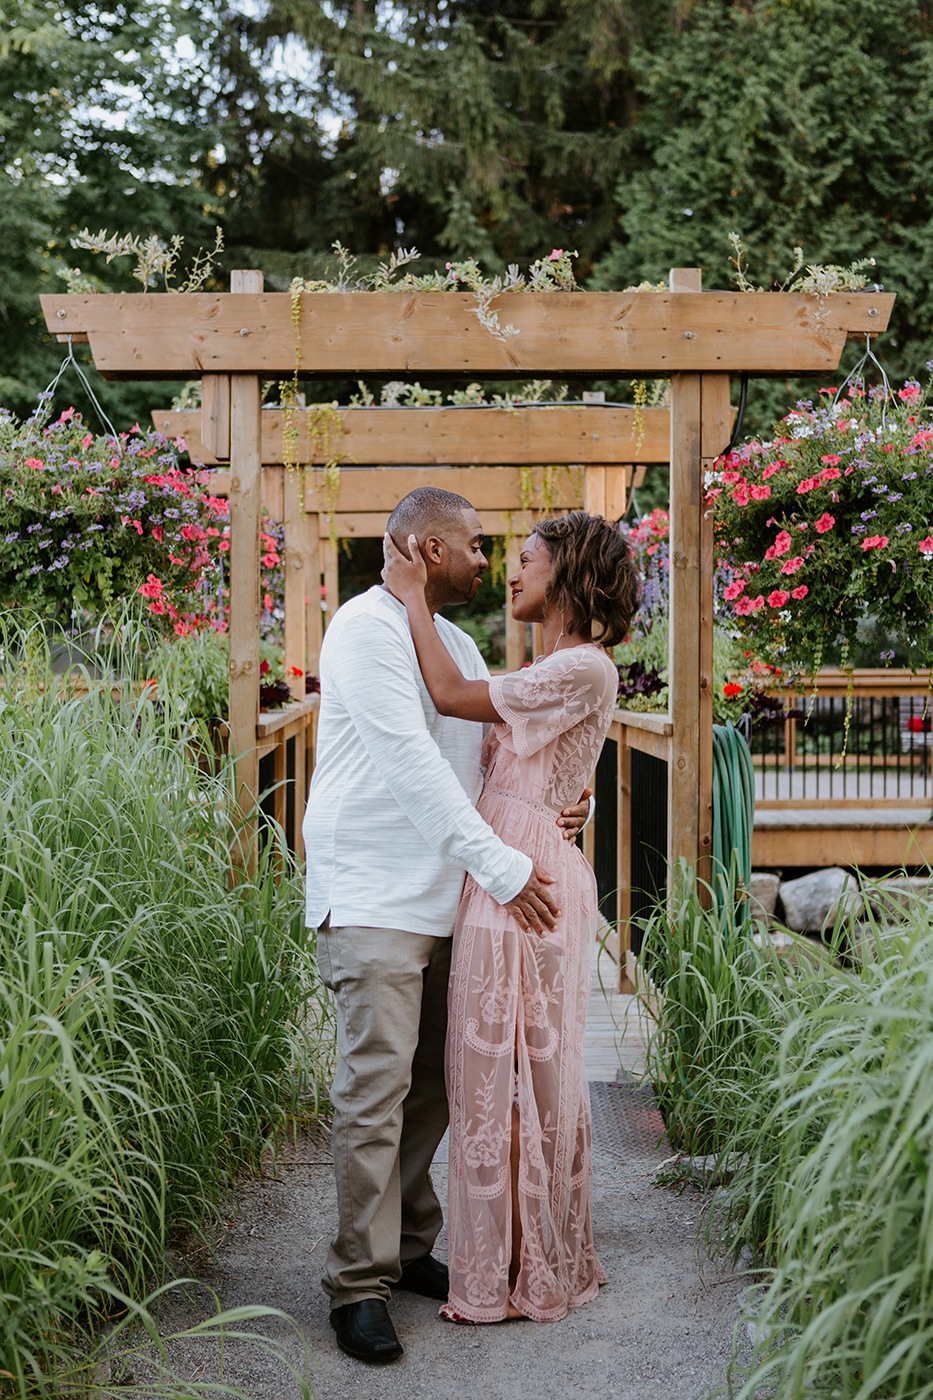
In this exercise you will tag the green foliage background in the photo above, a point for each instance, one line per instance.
(638, 132)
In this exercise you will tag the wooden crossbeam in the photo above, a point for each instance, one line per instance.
(596, 333)
(434, 436)
(377, 490)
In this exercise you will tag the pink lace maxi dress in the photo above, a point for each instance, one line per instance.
(518, 1010)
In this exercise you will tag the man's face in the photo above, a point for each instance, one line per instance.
(458, 575)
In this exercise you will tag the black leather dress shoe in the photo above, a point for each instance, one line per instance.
(427, 1276)
(365, 1330)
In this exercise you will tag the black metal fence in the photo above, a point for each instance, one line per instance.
(648, 837)
(879, 753)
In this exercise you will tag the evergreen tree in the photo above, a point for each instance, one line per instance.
(471, 127)
(103, 123)
(800, 123)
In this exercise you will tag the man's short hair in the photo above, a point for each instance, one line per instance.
(426, 510)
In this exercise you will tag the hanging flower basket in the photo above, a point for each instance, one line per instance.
(831, 523)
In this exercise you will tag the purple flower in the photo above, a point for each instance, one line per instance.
(859, 529)
(13, 535)
(868, 514)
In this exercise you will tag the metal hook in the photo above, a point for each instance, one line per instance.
(854, 374)
(70, 360)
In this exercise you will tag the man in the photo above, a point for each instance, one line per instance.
(390, 831)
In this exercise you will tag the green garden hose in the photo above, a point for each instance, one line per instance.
(733, 820)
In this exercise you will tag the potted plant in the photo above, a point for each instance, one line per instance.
(827, 523)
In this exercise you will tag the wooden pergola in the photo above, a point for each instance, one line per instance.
(384, 453)
(696, 339)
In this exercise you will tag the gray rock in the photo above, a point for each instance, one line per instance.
(780, 941)
(763, 893)
(810, 903)
(897, 895)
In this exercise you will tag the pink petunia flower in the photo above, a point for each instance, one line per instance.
(744, 606)
(909, 392)
(554, 254)
(809, 483)
(782, 542)
(34, 463)
(825, 522)
(830, 474)
(778, 598)
(831, 460)
(760, 493)
(152, 588)
(792, 565)
(800, 592)
(926, 546)
(734, 589)
(874, 542)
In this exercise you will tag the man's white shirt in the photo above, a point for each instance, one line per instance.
(390, 828)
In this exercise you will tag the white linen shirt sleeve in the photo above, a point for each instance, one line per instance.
(375, 678)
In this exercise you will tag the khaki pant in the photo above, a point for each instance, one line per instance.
(390, 1101)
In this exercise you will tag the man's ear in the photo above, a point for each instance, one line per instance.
(433, 549)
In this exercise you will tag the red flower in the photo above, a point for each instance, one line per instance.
(791, 566)
(825, 522)
(809, 483)
(731, 690)
(264, 668)
(874, 542)
(778, 598)
(152, 588)
(800, 592)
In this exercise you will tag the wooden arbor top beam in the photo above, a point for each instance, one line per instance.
(166, 336)
(466, 436)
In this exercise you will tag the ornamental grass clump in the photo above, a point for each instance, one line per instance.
(154, 1020)
(722, 1004)
(846, 1309)
(830, 523)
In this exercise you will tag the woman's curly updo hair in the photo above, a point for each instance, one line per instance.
(594, 580)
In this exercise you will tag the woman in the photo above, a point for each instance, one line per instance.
(519, 1232)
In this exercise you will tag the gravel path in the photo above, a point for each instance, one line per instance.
(661, 1329)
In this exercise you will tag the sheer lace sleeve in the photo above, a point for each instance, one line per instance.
(545, 700)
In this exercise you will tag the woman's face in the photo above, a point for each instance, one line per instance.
(529, 585)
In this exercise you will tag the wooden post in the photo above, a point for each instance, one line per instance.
(215, 413)
(330, 570)
(245, 494)
(314, 616)
(514, 631)
(687, 767)
(297, 569)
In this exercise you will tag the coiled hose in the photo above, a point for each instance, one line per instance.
(733, 822)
